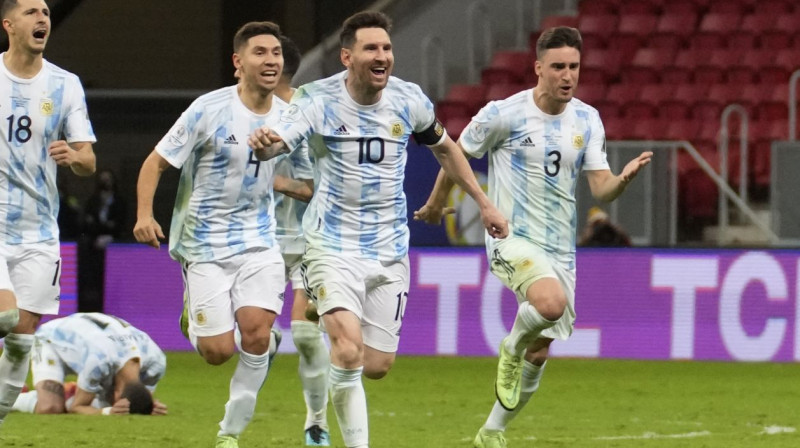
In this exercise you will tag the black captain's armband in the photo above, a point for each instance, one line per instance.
(432, 135)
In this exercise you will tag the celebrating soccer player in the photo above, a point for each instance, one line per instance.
(538, 140)
(46, 125)
(357, 124)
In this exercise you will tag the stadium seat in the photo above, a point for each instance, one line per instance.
(682, 129)
(639, 7)
(594, 76)
(508, 64)
(775, 40)
(640, 25)
(665, 41)
(723, 59)
(596, 7)
(646, 129)
(591, 43)
(609, 110)
(455, 126)
(741, 75)
(608, 61)
(769, 111)
(680, 7)
(553, 21)
(707, 111)
(754, 93)
(709, 75)
(653, 58)
(692, 58)
(720, 23)
(788, 58)
(788, 23)
(760, 155)
(601, 24)
(617, 128)
(705, 42)
(689, 93)
(776, 7)
(728, 7)
(673, 110)
(741, 40)
(623, 93)
(472, 95)
(502, 91)
(446, 109)
(682, 25)
(773, 75)
(638, 110)
(676, 75)
(758, 23)
(656, 93)
(591, 93)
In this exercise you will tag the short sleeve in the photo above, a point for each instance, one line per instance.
(596, 157)
(297, 121)
(420, 109)
(185, 135)
(486, 130)
(77, 127)
(94, 372)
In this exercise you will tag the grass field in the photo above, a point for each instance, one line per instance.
(441, 402)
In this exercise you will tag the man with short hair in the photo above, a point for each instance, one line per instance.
(539, 140)
(46, 126)
(357, 125)
(118, 367)
(306, 335)
(223, 223)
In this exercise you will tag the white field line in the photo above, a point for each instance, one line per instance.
(774, 429)
(653, 435)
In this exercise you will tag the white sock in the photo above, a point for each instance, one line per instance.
(313, 369)
(14, 365)
(528, 325)
(350, 403)
(499, 418)
(250, 374)
(26, 402)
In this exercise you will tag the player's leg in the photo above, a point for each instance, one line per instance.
(34, 272)
(48, 373)
(313, 366)
(528, 271)
(491, 435)
(257, 297)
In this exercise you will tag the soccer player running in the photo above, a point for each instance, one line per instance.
(307, 337)
(118, 367)
(223, 222)
(46, 125)
(357, 124)
(538, 141)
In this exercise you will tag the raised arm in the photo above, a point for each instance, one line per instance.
(147, 230)
(605, 186)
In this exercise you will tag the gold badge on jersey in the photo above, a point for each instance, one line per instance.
(397, 129)
(200, 317)
(321, 293)
(577, 141)
(46, 107)
(439, 129)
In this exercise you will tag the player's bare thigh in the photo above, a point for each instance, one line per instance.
(344, 331)
(50, 398)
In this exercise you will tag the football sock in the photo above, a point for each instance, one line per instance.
(350, 403)
(8, 320)
(26, 402)
(499, 418)
(250, 374)
(528, 325)
(14, 365)
(313, 369)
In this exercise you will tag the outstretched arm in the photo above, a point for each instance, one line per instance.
(455, 165)
(606, 186)
(147, 230)
(434, 209)
(302, 189)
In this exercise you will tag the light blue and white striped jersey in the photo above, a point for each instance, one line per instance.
(288, 211)
(36, 112)
(359, 153)
(224, 204)
(96, 346)
(534, 163)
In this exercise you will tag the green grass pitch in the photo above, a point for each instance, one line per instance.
(441, 402)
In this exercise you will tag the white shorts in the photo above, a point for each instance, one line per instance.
(376, 292)
(216, 289)
(46, 365)
(518, 263)
(32, 272)
(293, 275)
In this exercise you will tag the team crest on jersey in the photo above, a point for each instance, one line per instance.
(477, 132)
(200, 317)
(178, 136)
(321, 293)
(46, 107)
(397, 129)
(577, 141)
(438, 129)
(291, 114)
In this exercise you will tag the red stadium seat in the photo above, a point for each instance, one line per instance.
(673, 110)
(676, 75)
(728, 7)
(720, 22)
(760, 154)
(758, 23)
(773, 75)
(617, 128)
(682, 25)
(682, 129)
(707, 111)
(778, 92)
(591, 93)
(499, 75)
(647, 129)
(517, 62)
(600, 25)
(553, 21)
(446, 110)
(455, 126)
(691, 59)
(723, 59)
(680, 7)
(607, 61)
(707, 41)
(623, 93)
(788, 23)
(741, 40)
(709, 75)
(639, 7)
(502, 91)
(638, 110)
(788, 58)
(637, 24)
(741, 75)
(769, 111)
(656, 93)
(608, 109)
(724, 93)
(472, 95)
(775, 40)
(591, 43)
(754, 93)
(689, 93)
(595, 7)
(665, 41)
(653, 58)
(776, 7)
(594, 76)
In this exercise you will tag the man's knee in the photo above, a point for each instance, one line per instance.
(550, 305)
(216, 352)
(347, 351)
(8, 320)
(377, 369)
(255, 340)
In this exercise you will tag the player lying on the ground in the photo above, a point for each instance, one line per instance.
(117, 366)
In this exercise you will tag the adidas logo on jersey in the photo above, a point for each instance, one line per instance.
(231, 140)
(341, 131)
(527, 142)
